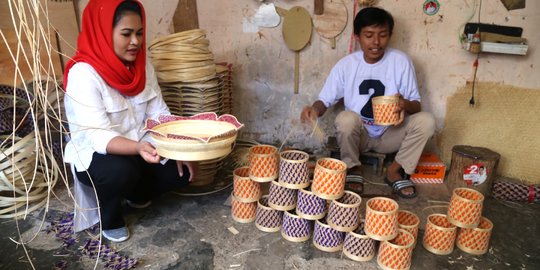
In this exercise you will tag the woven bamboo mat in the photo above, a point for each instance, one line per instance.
(505, 119)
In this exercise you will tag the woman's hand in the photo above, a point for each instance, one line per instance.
(193, 168)
(147, 152)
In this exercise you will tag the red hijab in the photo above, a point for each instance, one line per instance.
(95, 47)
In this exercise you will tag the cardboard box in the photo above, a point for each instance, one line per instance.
(430, 170)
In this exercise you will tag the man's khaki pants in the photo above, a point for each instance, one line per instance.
(408, 139)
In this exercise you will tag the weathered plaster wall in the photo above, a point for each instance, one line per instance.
(263, 65)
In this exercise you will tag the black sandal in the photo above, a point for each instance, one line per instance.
(399, 185)
(355, 183)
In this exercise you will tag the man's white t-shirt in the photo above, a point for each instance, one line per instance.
(357, 82)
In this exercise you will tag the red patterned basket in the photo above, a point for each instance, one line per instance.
(475, 241)
(396, 253)
(465, 207)
(329, 178)
(381, 218)
(243, 212)
(263, 163)
(245, 189)
(410, 222)
(440, 235)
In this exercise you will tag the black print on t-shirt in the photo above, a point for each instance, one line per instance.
(363, 89)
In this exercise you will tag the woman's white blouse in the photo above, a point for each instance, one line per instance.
(96, 113)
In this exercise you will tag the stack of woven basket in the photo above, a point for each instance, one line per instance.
(192, 83)
(187, 73)
(28, 172)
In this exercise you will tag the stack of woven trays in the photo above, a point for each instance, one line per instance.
(191, 84)
(224, 72)
(27, 172)
(320, 209)
(187, 74)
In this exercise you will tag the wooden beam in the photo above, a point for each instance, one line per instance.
(185, 17)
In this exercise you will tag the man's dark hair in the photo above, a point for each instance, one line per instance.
(125, 7)
(373, 16)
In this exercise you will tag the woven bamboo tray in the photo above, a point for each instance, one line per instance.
(200, 137)
(24, 181)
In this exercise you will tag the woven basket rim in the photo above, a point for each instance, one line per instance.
(459, 197)
(265, 146)
(344, 205)
(452, 228)
(383, 212)
(409, 213)
(330, 170)
(400, 246)
(385, 99)
(303, 160)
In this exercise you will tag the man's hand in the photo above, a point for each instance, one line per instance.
(193, 168)
(309, 114)
(147, 152)
(400, 109)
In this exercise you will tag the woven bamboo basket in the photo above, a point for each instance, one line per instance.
(465, 209)
(358, 246)
(384, 110)
(245, 189)
(410, 222)
(440, 235)
(282, 198)
(310, 206)
(329, 178)
(243, 212)
(295, 228)
(267, 219)
(396, 253)
(25, 182)
(293, 171)
(201, 137)
(326, 238)
(344, 213)
(381, 218)
(263, 163)
(475, 241)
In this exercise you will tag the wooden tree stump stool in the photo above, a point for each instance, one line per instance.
(472, 167)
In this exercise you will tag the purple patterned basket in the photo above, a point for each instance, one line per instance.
(327, 239)
(293, 169)
(281, 198)
(266, 218)
(344, 213)
(358, 246)
(294, 228)
(310, 206)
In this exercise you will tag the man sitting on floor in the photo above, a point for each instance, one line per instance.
(374, 71)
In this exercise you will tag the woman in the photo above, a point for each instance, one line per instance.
(110, 91)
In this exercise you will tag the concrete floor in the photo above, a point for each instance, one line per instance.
(192, 232)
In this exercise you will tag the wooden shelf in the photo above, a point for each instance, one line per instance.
(506, 48)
